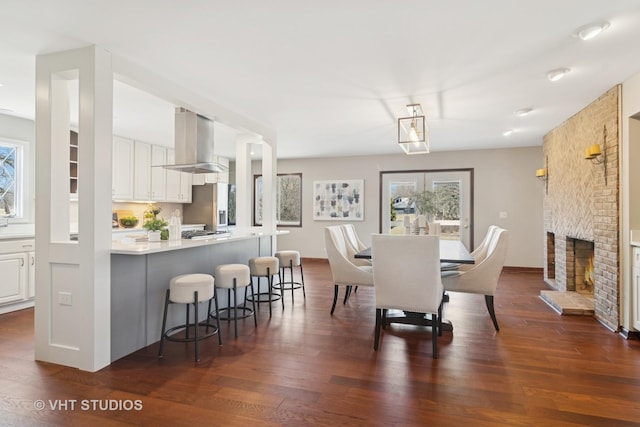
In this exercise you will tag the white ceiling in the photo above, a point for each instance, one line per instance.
(332, 77)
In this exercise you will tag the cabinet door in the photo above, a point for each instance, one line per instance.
(31, 258)
(122, 170)
(185, 187)
(173, 178)
(142, 171)
(158, 174)
(13, 270)
(178, 183)
(212, 178)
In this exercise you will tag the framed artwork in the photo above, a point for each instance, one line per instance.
(338, 200)
(288, 200)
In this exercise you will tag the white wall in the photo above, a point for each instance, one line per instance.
(503, 181)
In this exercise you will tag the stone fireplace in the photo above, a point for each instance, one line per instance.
(581, 214)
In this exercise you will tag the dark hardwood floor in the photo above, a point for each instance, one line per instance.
(305, 367)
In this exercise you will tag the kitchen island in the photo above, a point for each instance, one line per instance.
(140, 274)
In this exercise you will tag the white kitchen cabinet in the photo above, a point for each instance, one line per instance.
(17, 274)
(31, 290)
(158, 174)
(13, 270)
(122, 171)
(178, 183)
(635, 283)
(141, 171)
(212, 178)
(149, 182)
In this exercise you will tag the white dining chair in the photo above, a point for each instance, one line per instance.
(343, 271)
(482, 278)
(406, 276)
(354, 245)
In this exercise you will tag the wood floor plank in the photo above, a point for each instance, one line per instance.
(305, 367)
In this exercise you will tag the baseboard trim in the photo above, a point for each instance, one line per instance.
(315, 260)
(630, 335)
(524, 270)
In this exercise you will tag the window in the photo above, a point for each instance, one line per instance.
(10, 179)
(288, 202)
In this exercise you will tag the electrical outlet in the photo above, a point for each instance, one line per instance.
(64, 298)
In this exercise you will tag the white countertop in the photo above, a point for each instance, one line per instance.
(124, 247)
(140, 229)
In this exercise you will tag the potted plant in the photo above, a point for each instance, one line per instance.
(155, 227)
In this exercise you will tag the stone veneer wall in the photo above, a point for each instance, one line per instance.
(580, 205)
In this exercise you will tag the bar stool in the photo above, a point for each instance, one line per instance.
(265, 266)
(288, 260)
(234, 276)
(190, 289)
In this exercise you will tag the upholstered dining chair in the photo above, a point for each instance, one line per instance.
(482, 278)
(343, 271)
(406, 276)
(478, 254)
(354, 245)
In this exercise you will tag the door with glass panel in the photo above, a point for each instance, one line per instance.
(444, 196)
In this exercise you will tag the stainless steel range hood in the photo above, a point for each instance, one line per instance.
(194, 144)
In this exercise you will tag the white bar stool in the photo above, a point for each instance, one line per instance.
(288, 260)
(265, 266)
(234, 276)
(190, 289)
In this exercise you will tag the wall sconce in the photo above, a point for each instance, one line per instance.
(412, 131)
(597, 155)
(543, 175)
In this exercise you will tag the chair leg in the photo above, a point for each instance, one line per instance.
(215, 301)
(434, 336)
(440, 319)
(384, 318)
(291, 275)
(376, 340)
(281, 291)
(187, 322)
(229, 310)
(304, 294)
(195, 322)
(347, 293)
(253, 305)
(164, 323)
(335, 298)
(269, 283)
(235, 308)
(488, 299)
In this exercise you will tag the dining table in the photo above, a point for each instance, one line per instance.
(452, 252)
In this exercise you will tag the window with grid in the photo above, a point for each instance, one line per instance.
(10, 161)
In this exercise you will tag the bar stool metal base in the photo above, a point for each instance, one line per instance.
(261, 297)
(226, 313)
(169, 334)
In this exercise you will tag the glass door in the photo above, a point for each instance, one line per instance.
(450, 201)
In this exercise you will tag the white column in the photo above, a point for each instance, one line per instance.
(73, 296)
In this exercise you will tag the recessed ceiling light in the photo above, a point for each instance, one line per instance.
(507, 132)
(523, 111)
(557, 74)
(590, 31)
